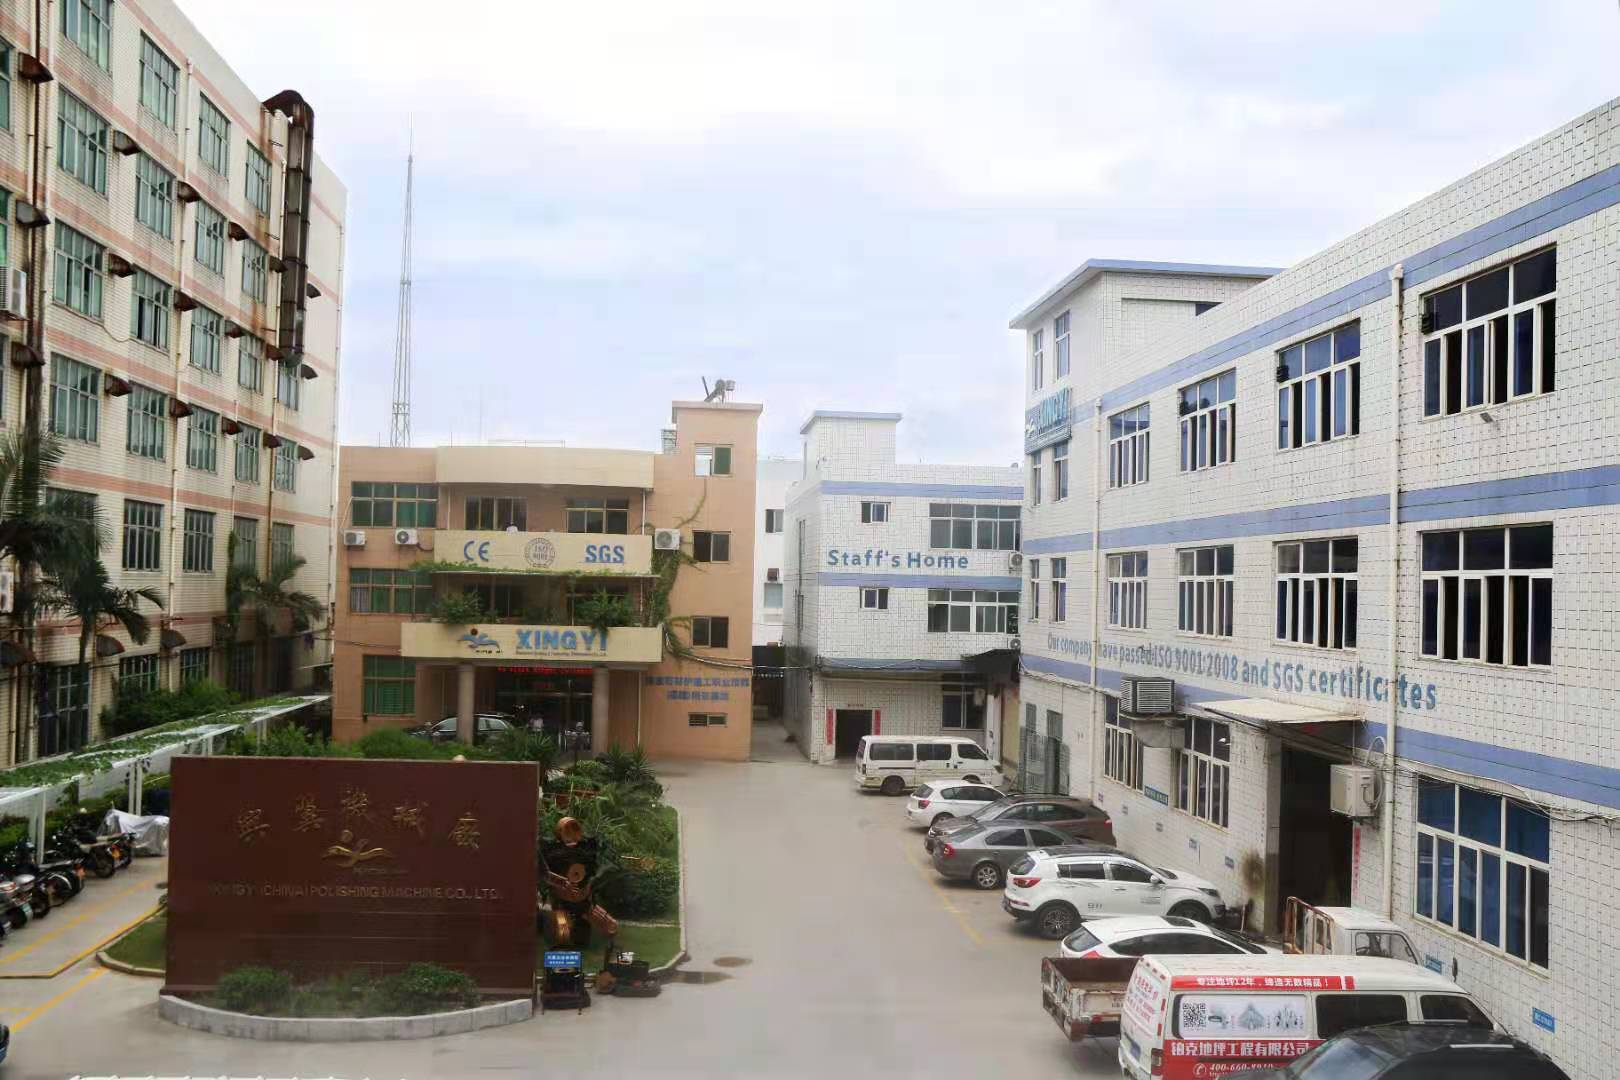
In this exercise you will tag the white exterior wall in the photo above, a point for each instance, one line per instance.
(1543, 735)
(775, 476)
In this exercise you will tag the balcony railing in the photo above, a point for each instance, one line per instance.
(543, 552)
(505, 641)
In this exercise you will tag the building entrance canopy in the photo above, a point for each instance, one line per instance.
(1264, 711)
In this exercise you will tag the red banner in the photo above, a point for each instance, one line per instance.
(877, 721)
(829, 727)
(1194, 1059)
(1263, 982)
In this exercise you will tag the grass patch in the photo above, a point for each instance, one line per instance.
(144, 946)
(655, 944)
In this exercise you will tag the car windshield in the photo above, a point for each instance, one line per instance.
(1392, 945)
(1233, 940)
(1339, 1059)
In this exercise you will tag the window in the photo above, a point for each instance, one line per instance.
(772, 597)
(202, 440)
(246, 553)
(962, 700)
(250, 363)
(81, 142)
(154, 196)
(388, 506)
(1120, 870)
(65, 722)
(255, 268)
(489, 513)
(1483, 867)
(1128, 447)
(875, 598)
(1316, 593)
(1037, 359)
(1060, 344)
(389, 592)
(874, 513)
(258, 180)
(7, 54)
(75, 399)
(500, 601)
(210, 238)
(5, 196)
(143, 535)
(213, 137)
(390, 686)
(1127, 590)
(1060, 590)
(711, 546)
(197, 545)
(1490, 339)
(978, 611)
(1060, 471)
(1338, 1013)
(1201, 306)
(711, 631)
(878, 751)
(713, 461)
(1320, 399)
(247, 454)
(1035, 478)
(160, 77)
(147, 422)
(773, 521)
(281, 543)
(289, 384)
(194, 665)
(1209, 422)
(1204, 771)
(1204, 581)
(705, 719)
(137, 675)
(1034, 589)
(241, 671)
(78, 277)
(80, 504)
(207, 339)
(149, 310)
(1487, 595)
(1122, 754)
(88, 24)
(284, 466)
(599, 516)
(966, 526)
(1453, 1007)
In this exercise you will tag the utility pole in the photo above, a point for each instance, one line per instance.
(400, 433)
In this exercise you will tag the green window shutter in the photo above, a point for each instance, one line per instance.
(722, 461)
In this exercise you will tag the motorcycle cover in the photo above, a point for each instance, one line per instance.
(151, 833)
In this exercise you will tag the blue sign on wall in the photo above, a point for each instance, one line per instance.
(562, 959)
(1544, 1020)
(1156, 795)
(1047, 421)
(1434, 964)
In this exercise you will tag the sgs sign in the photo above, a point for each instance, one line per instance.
(601, 554)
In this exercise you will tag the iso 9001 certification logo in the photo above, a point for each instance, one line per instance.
(540, 553)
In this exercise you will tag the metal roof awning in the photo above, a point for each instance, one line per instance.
(1264, 711)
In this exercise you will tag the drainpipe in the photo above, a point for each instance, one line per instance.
(1397, 280)
(1096, 587)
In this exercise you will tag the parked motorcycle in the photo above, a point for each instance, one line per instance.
(60, 881)
(16, 908)
(101, 855)
(33, 893)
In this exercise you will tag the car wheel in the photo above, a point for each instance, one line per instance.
(893, 785)
(987, 875)
(939, 818)
(1056, 920)
(1189, 909)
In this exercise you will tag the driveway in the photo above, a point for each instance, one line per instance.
(822, 944)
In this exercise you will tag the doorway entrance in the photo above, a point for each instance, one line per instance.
(1313, 843)
(849, 727)
(546, 699)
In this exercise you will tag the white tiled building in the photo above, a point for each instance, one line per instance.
(776, 475)
(902, 590)
(1363, 511)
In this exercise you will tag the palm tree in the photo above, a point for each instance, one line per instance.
(39, 527)
(88, 594)
(268, 597)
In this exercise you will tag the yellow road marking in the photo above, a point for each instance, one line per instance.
(37, 1012)
(12, 956)
(945, 901)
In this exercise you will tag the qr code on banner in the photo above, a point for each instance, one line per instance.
(1194, 1015)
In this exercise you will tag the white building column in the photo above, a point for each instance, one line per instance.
(466, 692)
(599, 709)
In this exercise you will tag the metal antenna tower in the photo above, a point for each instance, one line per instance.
(400, 435)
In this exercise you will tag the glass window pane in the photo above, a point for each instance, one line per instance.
(1437, 804)
(1490, 898)
(1316, 556)
(1488, 293)
(1448, 614)
(1344, 555)
(1445, 869)
(1532, 547)
(1479, 816)
(1467, 872)
(1527, 832)
(1318, 353)
(1476, 365)
(1495, 610)
(1535, 276)
(1454, 370)
(1541, 622)
(1524, 366)
(1347, 343)
(1515, 909)
(1549, 334)
(1538, 917)
(1440, 551)
(1223, 560)
(1425, 875)
(1431, 378)
(1470, 618)
(1288, 558)
(1445, 307)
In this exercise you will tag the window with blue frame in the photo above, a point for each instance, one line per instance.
(1208, 411)
(1483, 868)
(1319, 398)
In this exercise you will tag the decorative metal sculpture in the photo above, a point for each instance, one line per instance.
(569, 865)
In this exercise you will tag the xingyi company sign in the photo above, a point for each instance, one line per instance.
(538, 641)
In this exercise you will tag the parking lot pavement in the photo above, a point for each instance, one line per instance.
(822, 943)
(103, 910)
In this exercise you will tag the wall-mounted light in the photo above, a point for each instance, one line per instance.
(1487, 417)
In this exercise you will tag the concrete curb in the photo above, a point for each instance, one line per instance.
(664, 971)
(128, 969)
(188, 1014)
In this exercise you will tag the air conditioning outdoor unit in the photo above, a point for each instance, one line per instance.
(773, 574)
(1015, 644)
(1147, 695)
(666, 539)
(1353, 791)
(405, 537)
(8, 591)
(1015, 561)
(14, 292)
(354, 538)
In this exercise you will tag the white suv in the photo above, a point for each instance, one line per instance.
(1057, 890)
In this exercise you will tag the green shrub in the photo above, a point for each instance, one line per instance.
(521, 744)
(648, 893)
(458, 609)
(137, 710)
(629, 767)
(289, 741)
(393, 743)
(254, 989)
(423, 988)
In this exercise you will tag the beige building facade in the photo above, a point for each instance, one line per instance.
(173, 254)
(467, 578)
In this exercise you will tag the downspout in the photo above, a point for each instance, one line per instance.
(1092, 740)
(1397, 280)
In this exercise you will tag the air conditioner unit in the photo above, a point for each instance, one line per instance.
(666, 539)
(773, 574)
(405, 537)
(1015, 644)
(354, 538)
(1353, 790)
(14, 292)
(1015, 561)
(1147, 695)
(8, 591)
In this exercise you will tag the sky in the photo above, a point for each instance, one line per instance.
(841, 205)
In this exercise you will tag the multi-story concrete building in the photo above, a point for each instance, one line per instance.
(173, 254)
(537, 535)
(902, 588)
(776, 475)
(1361, 513)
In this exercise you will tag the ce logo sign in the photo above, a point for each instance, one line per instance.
(483, 550)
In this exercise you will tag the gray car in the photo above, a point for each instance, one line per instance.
(983, 852)
(1075, 818)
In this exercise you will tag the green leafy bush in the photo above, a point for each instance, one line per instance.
(423, 988)
(137, 710)
(420, 988)
(650, 892)
(254, 989)
(394, 744)
(520, 744)
(457, 609)
(289, 741)
(629, 767)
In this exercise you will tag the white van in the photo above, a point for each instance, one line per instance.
(894, 764)
(1198, 1016)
